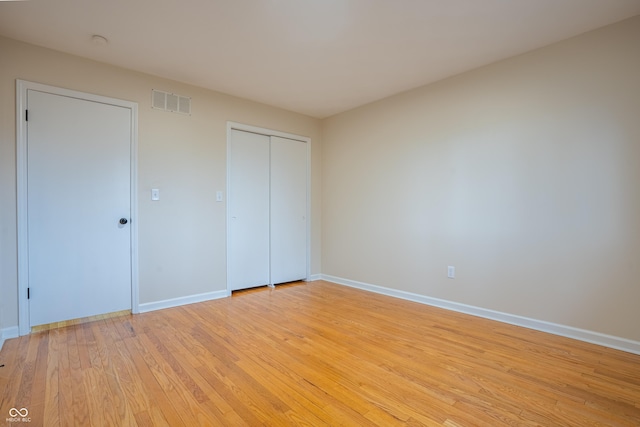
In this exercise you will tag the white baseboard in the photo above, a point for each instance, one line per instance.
(8, 333)
(175, 302)
(617, 343)
(314, 277)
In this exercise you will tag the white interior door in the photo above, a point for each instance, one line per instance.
(78, 189)
(248, 198)
(288, 210)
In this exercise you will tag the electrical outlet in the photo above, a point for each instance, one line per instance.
(451, 272)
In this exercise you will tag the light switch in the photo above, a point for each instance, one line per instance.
(218, 196)
(155, 194)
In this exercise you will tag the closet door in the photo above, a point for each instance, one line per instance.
(288, 210)
(248, 240)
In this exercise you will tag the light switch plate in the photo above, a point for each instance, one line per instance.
(155, 194)
(218, 196)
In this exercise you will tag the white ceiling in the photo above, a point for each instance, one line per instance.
(316, 57)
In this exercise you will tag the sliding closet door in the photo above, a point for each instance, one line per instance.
(288, 210)
(248, 240)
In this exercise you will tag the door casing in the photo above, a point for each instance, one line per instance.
(22, 87)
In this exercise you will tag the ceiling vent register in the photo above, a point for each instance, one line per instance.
(170, 102)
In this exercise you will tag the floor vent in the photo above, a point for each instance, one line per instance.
(170, 102)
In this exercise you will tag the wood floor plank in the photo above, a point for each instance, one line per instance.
(313, 354)
(129, 381)
(13, 357)
(80, 396)
(148, 384)
(26, 385)
(36, 404)
(51, 395)
(106, 339)
(65, 396)
(176, 340)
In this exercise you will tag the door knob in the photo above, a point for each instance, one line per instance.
(123, 221)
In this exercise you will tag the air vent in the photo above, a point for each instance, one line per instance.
(170, 102)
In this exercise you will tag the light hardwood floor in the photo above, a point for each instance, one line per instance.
(313, 354)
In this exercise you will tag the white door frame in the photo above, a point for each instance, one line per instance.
(269, 132)
(22, 87)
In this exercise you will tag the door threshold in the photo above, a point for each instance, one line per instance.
(71, 322)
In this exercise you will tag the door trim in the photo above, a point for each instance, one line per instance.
(269, 132)
(22, 86)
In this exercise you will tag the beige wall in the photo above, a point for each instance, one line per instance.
(524, 175)
(182, 237)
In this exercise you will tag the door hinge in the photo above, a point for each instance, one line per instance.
(26, 115)
(28, 293)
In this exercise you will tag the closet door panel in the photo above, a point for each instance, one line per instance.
(288, 210)
(248, 240)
